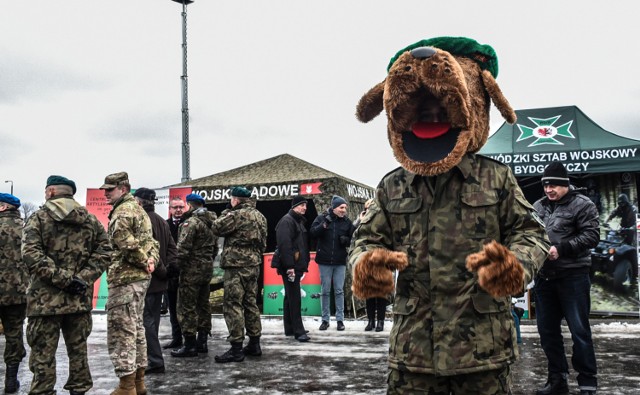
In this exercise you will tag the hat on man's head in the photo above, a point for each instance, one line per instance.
(145, 194)
(337, 201)
(9, 199)
(555, 174)
(240, 192)
(59, 180)
(298, 200)
(113, 180)
(194, 197)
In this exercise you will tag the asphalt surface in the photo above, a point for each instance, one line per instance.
(347, 362)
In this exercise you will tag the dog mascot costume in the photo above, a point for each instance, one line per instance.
(455, 224)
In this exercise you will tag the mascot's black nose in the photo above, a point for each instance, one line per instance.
(422, 52)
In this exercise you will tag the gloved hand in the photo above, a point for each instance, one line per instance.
(373, 272)
(77, 286)
(499, 272)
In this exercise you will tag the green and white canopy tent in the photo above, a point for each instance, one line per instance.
(542, 135)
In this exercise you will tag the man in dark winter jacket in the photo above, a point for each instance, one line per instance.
(627, 213)
(146, 198)
(293, 257)
(66, 250)
(14, 280)
(196, 249)
(562, 287)
(177, 208)
(333, 231)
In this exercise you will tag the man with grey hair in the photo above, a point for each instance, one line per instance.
(65, 249)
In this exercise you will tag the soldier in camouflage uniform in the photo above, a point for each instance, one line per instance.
(134, 258)
(196, 249)
(66, 250)
(245, 231)
(14, 280)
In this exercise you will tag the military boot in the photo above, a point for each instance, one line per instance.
(234, 354)
(380, 326)
(188, 350)
(253, 348)
(201, 342)
(556, 385)
(11, 383)
(370, 326)
(127, 385)
(141, 389)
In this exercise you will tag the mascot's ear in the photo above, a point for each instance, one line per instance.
(498, 98)
(370, 105)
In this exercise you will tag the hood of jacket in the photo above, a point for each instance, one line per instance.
(65, 209)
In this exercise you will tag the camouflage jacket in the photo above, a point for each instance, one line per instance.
(61, 240)
(444, 323)
(245, 235)
(132, 241)
(197, 246)
(14, 277)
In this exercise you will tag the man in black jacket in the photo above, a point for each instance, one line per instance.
(151, 319)
(177, 207)
(333, 231)
(562, 287)
(293, 257)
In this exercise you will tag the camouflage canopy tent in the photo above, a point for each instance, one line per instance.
(593, 156)
(274, 182)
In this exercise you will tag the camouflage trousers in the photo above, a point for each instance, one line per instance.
(126, 340)
(13, 321)
(492, 382)
(240, 308)
(43, 334)
(194, 312)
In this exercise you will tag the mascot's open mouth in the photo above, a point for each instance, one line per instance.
(429, 141)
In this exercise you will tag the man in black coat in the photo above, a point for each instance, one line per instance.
(333, 231)
(158, 285)
(293, 261)
(177, 207)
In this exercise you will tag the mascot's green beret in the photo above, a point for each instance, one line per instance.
(484, 55)
(59, 180)
(240, 192)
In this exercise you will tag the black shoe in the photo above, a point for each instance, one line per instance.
(292, 334)
(188, 350)
(234, 354)
(201, 342)
(72, 392)
(324, 325)
(155, 369)
(556, 385)
(175, 343)
(370, 326)
(253, 348)
(11, 383)
(587, 392)
(380, 326)
(303, 338)
(340, 326)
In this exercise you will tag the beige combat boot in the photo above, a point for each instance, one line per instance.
(127, 385)
(140, 387)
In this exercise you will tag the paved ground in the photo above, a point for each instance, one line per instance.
(349, 362)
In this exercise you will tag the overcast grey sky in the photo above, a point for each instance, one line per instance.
(90, 87)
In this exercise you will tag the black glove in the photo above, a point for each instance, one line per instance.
(77, 286)
(345, 240)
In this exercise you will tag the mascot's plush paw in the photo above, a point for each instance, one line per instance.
(499, 272)
(373, 274)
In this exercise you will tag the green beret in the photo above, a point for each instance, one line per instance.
(59, 180)
(484, 55)
(240, 192)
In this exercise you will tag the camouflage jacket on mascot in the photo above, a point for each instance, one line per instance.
(455, 224)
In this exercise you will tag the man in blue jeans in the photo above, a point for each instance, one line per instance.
(562, 287)
(333, 231)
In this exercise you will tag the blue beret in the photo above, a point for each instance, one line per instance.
(59, 180)
(240, 192)
(9, 198)
(194, 197)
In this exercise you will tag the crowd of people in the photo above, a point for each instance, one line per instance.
(63, 249)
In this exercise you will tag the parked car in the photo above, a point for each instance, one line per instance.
(615, 259)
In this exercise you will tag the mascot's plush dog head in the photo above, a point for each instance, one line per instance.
(436, 97)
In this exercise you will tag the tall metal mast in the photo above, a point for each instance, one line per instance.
(186, 162)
